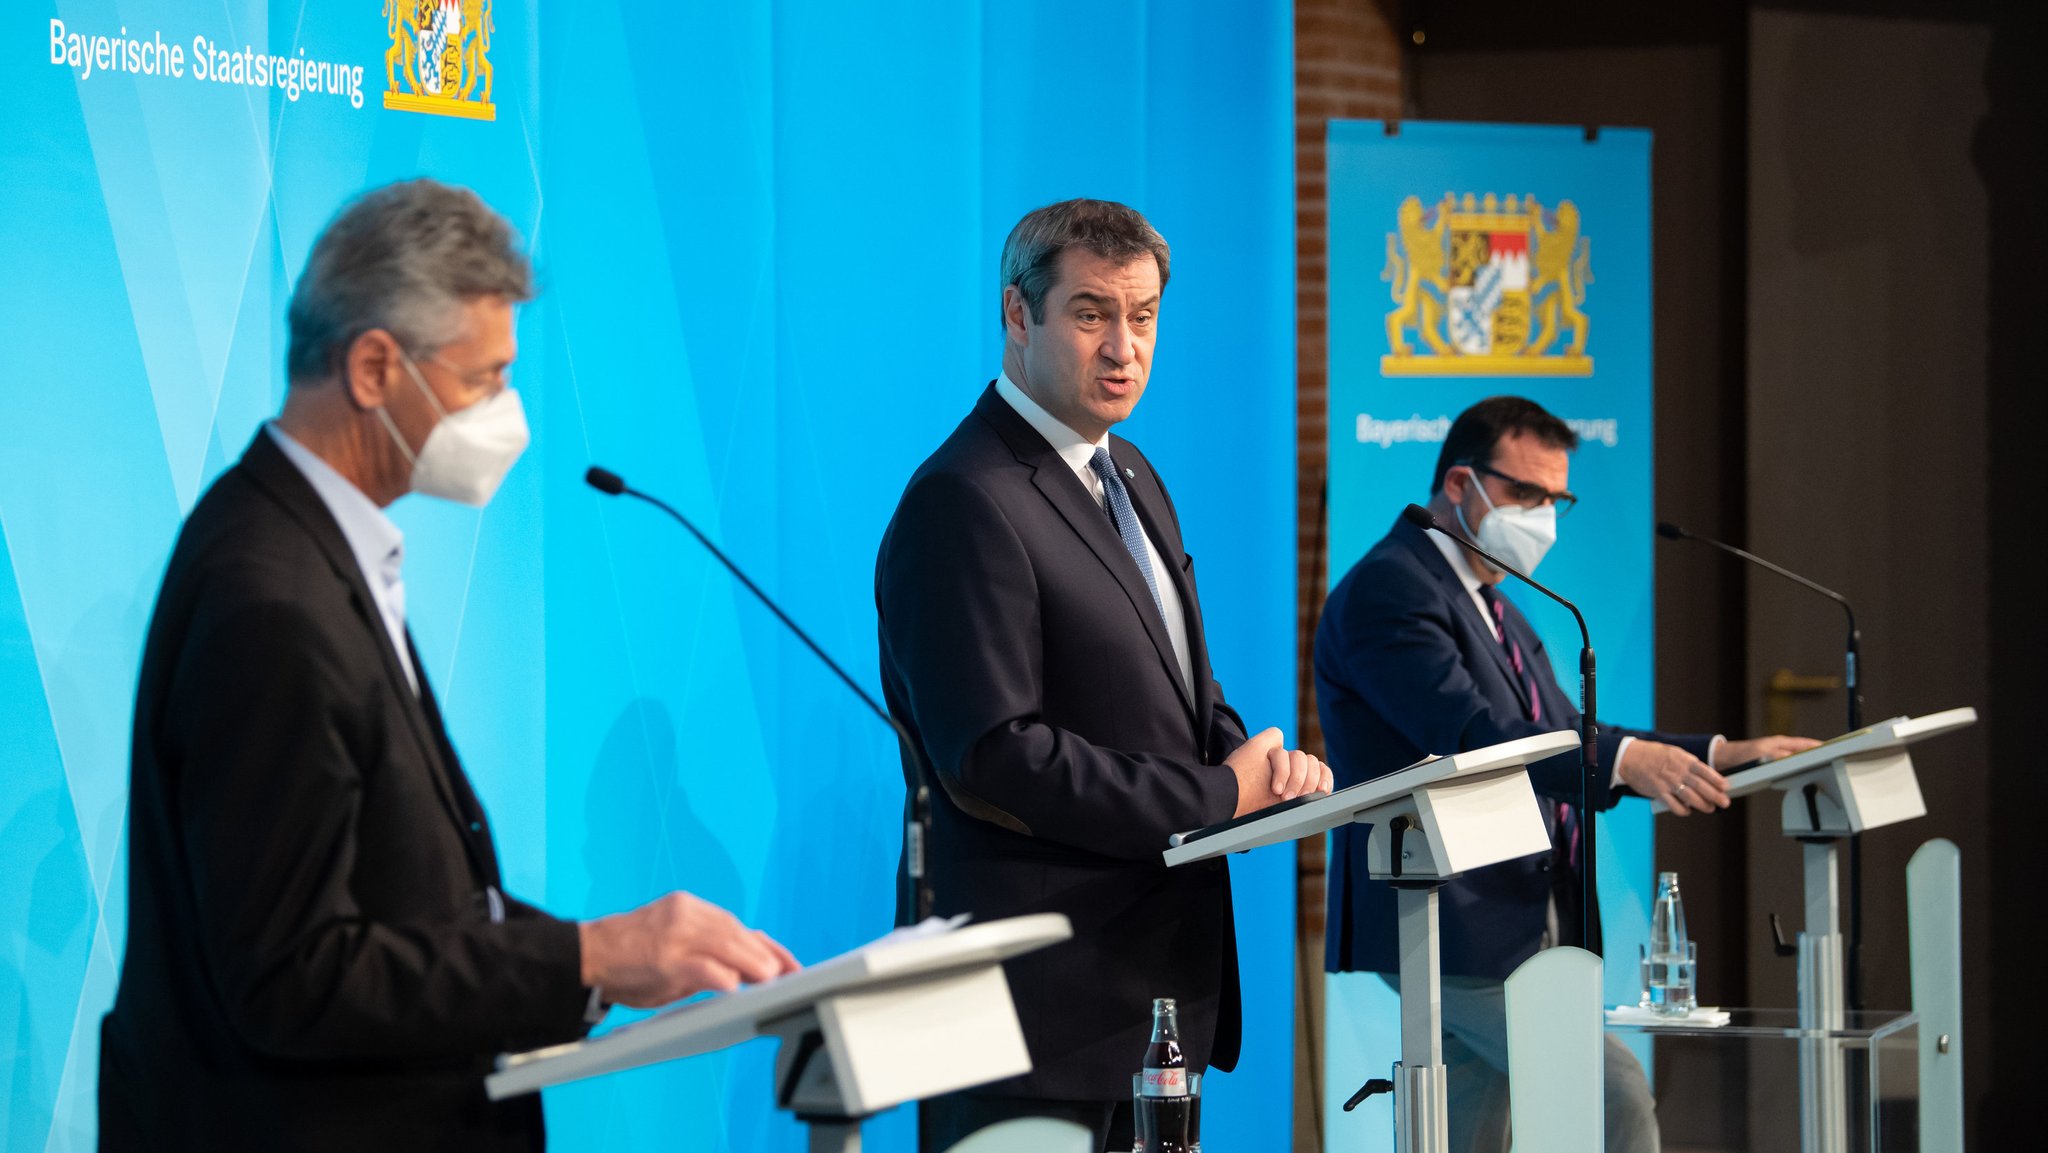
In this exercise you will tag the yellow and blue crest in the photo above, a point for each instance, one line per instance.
(1487, 287)
(439, 59)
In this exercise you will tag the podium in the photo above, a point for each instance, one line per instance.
(1850, 784)
(1430, 822)
(922, 1011)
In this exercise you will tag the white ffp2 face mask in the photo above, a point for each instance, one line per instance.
(1520, 536)
(468, 453)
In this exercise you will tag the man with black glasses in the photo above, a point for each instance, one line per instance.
(1418, 653)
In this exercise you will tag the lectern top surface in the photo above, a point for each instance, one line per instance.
(1870, 740)
(1316, 813)
(729, 1018)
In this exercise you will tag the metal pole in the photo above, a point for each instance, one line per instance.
(1822, 1093)
(835, 1137)
(1421, 1121)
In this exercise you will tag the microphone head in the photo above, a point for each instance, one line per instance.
(1670, 531)
(1419, 516)
(604, 480)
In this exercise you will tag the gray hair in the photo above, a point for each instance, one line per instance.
(404, 258)
(1112, 231)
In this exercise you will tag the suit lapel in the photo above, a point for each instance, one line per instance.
(475, 835)
(1462, 605)
(274, 472)
(1064, 491)
(1171, 553)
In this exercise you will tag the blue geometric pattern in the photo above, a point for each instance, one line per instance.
(766, 239)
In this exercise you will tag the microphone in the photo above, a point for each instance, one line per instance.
(917, 830)
(1853, 656)
(1852, 660)
(1589, 733)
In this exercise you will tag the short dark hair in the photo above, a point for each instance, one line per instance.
(1112, 231)
(404, 258)
(1478, 430)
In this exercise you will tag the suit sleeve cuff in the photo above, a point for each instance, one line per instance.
(1620, 754)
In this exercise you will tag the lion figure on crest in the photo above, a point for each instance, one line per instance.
(1561, 263)
(1418, 273)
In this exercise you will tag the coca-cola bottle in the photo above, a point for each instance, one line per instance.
(1168, 1107)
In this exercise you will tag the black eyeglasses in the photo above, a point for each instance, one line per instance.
(1526, 493)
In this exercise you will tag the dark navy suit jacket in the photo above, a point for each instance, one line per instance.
(310, 961)
(1023, 652)
(1405, 667)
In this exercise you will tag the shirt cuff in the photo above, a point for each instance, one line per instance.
(1714, 750)
(1620, 755)
(595, 1008)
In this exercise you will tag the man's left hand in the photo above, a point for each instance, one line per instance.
(1669, 774)
(1733, 753)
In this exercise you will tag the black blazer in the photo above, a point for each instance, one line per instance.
(311, 963)
(1405, 667)
(1023, 652)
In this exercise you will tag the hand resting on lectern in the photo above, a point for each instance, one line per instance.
(675, 947)
(1686, 784)
(1268, 772)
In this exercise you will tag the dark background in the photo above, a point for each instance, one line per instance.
(1850, 338)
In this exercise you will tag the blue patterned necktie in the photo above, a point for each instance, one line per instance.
(1118, 500)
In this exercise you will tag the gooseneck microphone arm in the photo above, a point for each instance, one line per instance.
(917, 831)
(1590, 784)
(1852, 664)
(1853, 655)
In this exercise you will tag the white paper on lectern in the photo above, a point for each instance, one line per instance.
(1343, 806)
(730, 1018)
(1869, 741)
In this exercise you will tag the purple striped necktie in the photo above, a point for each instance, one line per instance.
(1498, 606)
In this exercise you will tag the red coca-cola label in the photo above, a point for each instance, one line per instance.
(1166, 1083)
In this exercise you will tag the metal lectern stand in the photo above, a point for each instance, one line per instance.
(1856, 782)
(1430, 822)
(913, 1015)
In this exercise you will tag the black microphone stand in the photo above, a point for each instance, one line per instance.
(917, 829)
(1852, 661)
(1589, 734)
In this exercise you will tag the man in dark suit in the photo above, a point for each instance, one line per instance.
(1418, 653)
(320, 954)
(1041, 640)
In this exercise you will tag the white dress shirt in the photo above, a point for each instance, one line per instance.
(378, 545)
(1077, 452)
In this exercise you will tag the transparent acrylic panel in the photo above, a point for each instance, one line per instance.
(1761, 1084)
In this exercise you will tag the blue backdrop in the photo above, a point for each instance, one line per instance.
(1390, 408)
(767, 240)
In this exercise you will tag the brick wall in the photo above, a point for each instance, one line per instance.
(1347, 65)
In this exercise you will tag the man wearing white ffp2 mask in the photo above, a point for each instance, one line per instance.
(1519, 532)
(1418, 652)
(313, 880)
(467, 453)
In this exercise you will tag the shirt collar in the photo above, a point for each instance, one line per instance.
(1071, 446)
(1455, 554)
(377, 543)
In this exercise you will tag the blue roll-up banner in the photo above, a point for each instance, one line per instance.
(1475, 260)
(766, 238)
